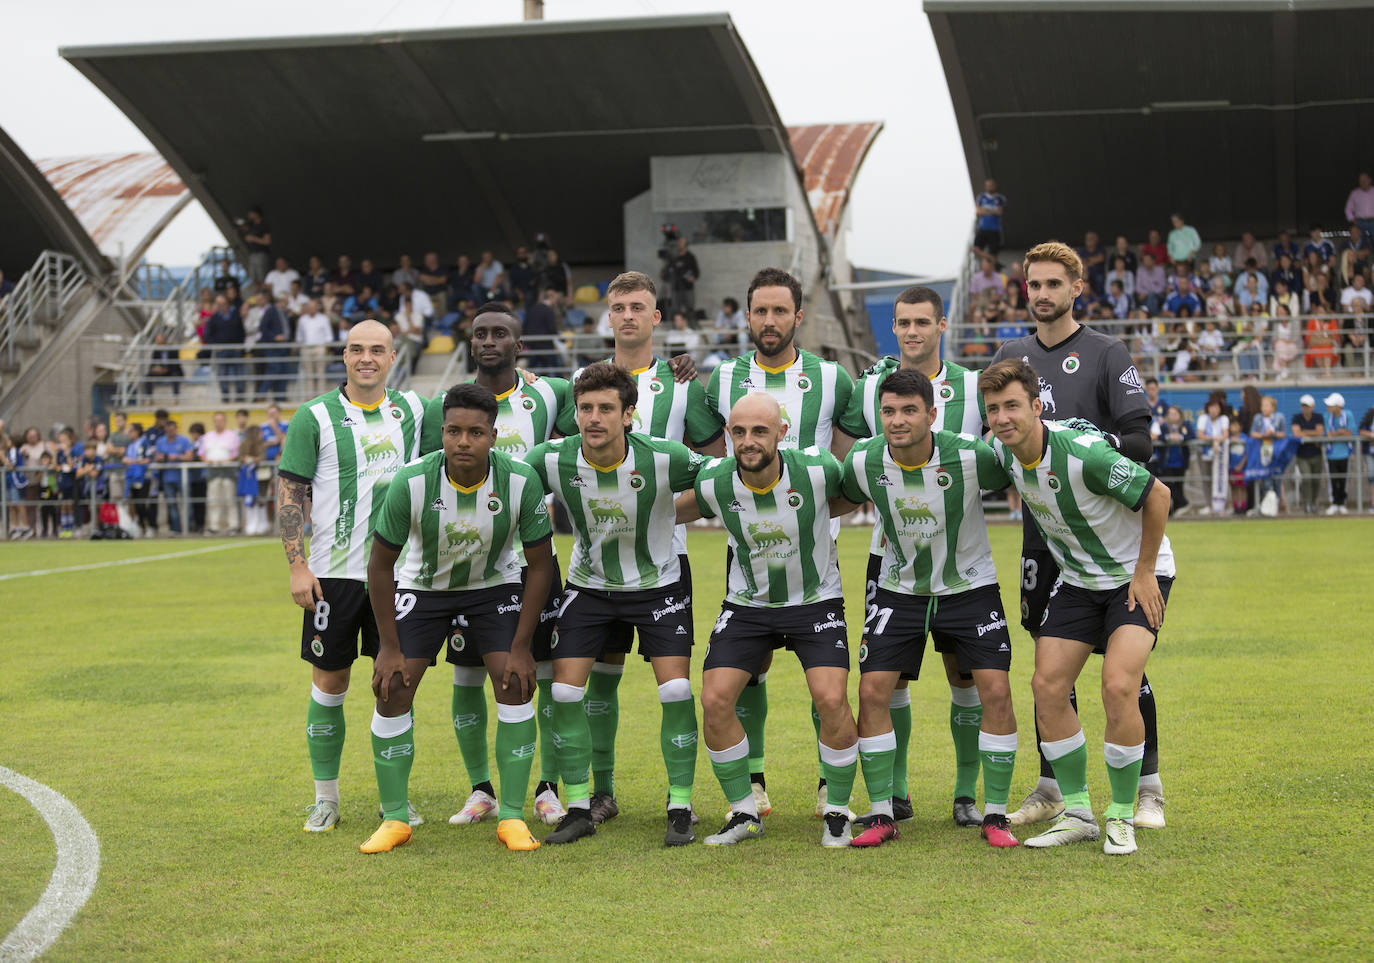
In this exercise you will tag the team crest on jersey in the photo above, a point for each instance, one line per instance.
(1119, 476)
(397, 413)
(553, 640)
(655, 386)
(636, 481)
(1052, 482)
(863, 651)
(734, 506)
(527, 403)
(943, 479)
(461, 538)
(803, 384)
(945, 392)
(1071, 363)
(884, 481)
(494, 503)
(508, 439)
(914, 511)
(457, 642)
(794, 499)
(317, 646)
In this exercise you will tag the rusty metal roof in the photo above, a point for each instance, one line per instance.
(122, 200)
(34, 216)
(829, 156)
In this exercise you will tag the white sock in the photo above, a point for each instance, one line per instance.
(327, 789)
(1152, 782)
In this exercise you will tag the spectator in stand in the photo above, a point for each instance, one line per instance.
(219, 449)
(1122, 250)
(1179, 354)
(296, 302)
(246, 486)
(1155, 246)
(418, 301)
(1016, 274)
(1286, 341)
(405, 273)
(1235, 466)
(1285, 243)
(1014, 296)
(1248, 349)
(541, 327)
(730, 325)
(1338, 424)
(164, 367)
(460, 285)
(233, 296)
(1252, 287)
(682, 273)
(683, 338)
(196, 481)
(1321, 337)
(1313, 267)
(1268, 427)
(987, 279)
(989, 207)
(1123, 272)
(1315, 242)
(257, 238)
(408, 323)
(1289, 273)
(170, 449)
(556, 275)
(1015, 324)
(1321, 295)
(1249, 249)
(590, 347)
(273, 433)
(1308, 424)
(490, 278)
(369, 276)
(344, 280)
(1094, 260)
(434, 282)
(1354, 341)
(224, 331)
(1213, 429)
(1219, 304)
(1359, 205)
(1367, 446)
(1220, 263)
(1357, 298)
(314, 332)
(274, 329)
(1184, 302)
(1211, 345)
(1172, 442)
(138, 483)
(1150, 282)
(1284, 295)
(1184, 243)
(1353, 257)
(1120, 301)
(279, 279)
(316, 279)
(361, 306)
(1202, 280)
(225, 277)
(524, 277)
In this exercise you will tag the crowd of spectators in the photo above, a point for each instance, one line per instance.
(136, 480)
(1254, 308)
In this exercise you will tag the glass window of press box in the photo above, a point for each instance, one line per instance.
(733, 227)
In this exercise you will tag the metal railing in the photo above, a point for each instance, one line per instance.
(43, 293)
(959, 297)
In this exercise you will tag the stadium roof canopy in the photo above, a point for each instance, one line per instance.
(375, 144)
(36, 218)
(1251, 114)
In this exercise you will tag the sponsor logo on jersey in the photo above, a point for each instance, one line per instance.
(495, 505)
(914, 511)
(391, 752)
(461, 538)
(378, 446)
(681, 630)
(577, 481)
(656, 386)
(883, 481)
(636, 422)
(1047, 396)
(348, 421)
(735, 506)
(1131, 378)
(509, 440)
(831, 622)
(1071, 363)
(793, 499)
(343, 526)
(636, 481)
(1120, 475)
(607, 511)
(671, 605)
(768, 534)
(803, 383)
(995, 621)
(438, 504)
(747, 384)
(512, 606)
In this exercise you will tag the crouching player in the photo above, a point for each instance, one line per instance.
(937, 577)
(459, 514)
(1103, 517)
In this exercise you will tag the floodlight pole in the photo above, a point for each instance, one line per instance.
(534, 9)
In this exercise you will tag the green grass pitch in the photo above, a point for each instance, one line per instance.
(166, 701)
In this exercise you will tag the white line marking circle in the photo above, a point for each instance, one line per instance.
(73, 879)
(127, 561)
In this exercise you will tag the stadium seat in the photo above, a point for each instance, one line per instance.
(440, 344)
(587, 294)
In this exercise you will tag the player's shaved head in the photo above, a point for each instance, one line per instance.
(369, 332)
(757, 408)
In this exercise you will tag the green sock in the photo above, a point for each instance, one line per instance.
(876, 754)
(965, 719)
(752, 709)
(573, 743)
(1123, 772)
(677, 737)
(1069, 760)
(901, 730)
(470, 726)
(998, 754)
(548, 760)
(324, 737)
(838, 767)
(516, 731)
(392, 753)
(733, 772)
(602, 706)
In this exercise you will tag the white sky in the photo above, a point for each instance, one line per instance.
(822, 61)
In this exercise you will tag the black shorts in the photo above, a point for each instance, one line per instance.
(592, 622)
(1091, 616)
(744, 636)
(1039, 572)
(621, 639)
(330, 632)
(987, 240)
(540, 645)
(473, 623)
(972, 625)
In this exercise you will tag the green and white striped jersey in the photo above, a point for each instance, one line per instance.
(526, 415)
(348, 455)
(783, 552)
(932, 514)
(1083, 495)
(667, 409)
(623, 517)
(958, 405)
(463, 538)
(813, 393)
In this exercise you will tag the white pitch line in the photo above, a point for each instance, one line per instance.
(127, 561)
(73, 879)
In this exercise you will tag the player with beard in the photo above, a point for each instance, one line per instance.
(812, 394)
(1083, 374)
(529, 413)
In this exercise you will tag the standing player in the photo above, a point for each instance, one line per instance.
(937, 577)
(782, 588)
(618, 490)
(812, 394)
(528, 414)
(339, 455)
(666, 409)
(919, 322)
(1103, 517)
(1083, 374)
(458, 514)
